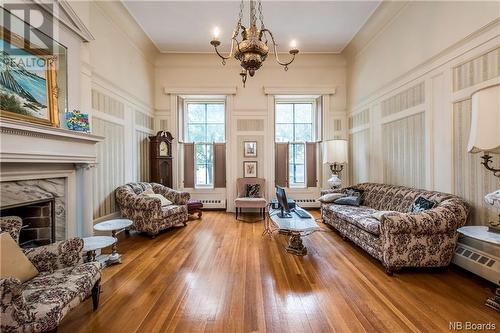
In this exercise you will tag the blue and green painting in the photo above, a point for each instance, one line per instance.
(23, 84)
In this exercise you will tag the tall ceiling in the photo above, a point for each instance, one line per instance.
(186, 26)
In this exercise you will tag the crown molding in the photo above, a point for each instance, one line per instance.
(69, 18)
(201, 91)
(299, 91)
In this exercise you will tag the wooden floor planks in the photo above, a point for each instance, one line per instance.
(220, 275)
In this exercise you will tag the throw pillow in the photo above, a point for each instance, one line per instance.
(330, 197)
(13, 262)
(148, 191)
(164, 201)
(378, 215)
(420, 204)
(352, 200)
(253, 191)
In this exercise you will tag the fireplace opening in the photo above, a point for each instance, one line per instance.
(38, 217)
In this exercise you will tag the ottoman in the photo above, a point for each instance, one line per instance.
(195, 206)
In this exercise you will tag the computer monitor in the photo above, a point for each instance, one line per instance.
(283, 203)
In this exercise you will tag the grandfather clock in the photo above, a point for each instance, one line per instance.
(160, 158)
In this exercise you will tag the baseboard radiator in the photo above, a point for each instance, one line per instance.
(213, 203)
(478, 262)
(307, 203)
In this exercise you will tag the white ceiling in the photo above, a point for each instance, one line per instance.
(186, 26)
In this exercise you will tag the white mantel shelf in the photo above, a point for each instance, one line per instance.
(34, 143)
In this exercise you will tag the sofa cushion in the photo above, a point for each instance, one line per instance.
(253, 190)
(352, 200)
(359, 216)
(330, 197)
(14, 262)
(52, 295)
(250, 202)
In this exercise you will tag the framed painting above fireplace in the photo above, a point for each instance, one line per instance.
(30, 89)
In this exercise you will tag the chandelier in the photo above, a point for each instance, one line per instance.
(253, 48)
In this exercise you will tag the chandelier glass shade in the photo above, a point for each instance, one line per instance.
(253, 47)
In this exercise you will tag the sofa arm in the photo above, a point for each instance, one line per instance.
(177, 197)
(12, 225)
(55, 256)
(450, 215)
(14, 309)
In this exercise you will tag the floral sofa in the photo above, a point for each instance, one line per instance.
(64, 281)
(400, 239)
(147, 213)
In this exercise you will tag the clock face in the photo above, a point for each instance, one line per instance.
(163, 149)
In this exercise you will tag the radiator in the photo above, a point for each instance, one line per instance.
(213, 203)
(307, 203)
(478, 262)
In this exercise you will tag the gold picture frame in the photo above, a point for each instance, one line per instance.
(51, 117)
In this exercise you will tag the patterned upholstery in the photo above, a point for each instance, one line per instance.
(401, 239)
(147, 213)
(12, 225)
(39, 304)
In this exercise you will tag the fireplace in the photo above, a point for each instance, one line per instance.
(39, 221)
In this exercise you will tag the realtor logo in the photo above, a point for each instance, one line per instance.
(34, 35)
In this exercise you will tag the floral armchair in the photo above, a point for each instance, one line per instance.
(147, 213)
(63, 282)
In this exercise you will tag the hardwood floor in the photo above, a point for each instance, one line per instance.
(219, 275)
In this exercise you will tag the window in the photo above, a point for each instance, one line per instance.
(294, 124)
(204, 126)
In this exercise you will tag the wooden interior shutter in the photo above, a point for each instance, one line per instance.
(311, 160)
(189, 165)
(219, 165)
(281, 164)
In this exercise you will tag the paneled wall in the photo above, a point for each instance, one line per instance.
(359, 159)
(403, 151)
(471, 179)
(123, 156)
(418, 124)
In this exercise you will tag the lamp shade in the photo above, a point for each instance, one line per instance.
(484, 132)
(335, 151)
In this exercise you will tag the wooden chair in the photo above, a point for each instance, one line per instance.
(242, 201)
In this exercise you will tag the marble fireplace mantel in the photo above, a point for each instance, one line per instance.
(32, 151)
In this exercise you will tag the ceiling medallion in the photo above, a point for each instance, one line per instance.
(253, 48)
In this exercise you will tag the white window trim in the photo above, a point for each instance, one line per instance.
(315, 127)
(202, 99)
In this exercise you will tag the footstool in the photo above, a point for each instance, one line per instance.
(195, 206)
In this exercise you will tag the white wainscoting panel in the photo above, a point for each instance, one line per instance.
(142, 144)
(403, 143)
(472, 180)
(359, 159)
(110, 168)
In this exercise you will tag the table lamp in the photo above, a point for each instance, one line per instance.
(484, 137)
(335, 155)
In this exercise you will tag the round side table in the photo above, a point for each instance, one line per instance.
(93, 243)
(114, 226)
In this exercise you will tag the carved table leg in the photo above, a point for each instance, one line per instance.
(295, 245)
(494, 302)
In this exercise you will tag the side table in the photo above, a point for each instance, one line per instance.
(93, 243)
(481, 233)
(114, 226)
(195, 206)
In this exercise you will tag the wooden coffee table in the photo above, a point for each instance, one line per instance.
(295, 227)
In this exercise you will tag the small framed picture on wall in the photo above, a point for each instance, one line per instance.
(250, 149)
(249, 169)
